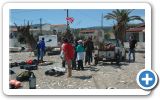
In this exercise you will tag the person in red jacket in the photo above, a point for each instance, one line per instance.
(68, 50)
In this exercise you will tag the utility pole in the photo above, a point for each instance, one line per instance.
(24, 22)
(102, 21)
(40, 26)
(67, 22)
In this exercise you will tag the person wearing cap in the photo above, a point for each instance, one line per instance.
(80, 54)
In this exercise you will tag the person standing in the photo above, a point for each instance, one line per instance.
(38, 51)
(62, 54)
(41, 49)
(74, 65)
(80, 54)
(89, 47)
(68, 50)
(132, 45)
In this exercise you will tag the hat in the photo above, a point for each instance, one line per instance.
(79, 41)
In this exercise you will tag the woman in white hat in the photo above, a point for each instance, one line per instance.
(80, 54)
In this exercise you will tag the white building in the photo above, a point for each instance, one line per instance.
(138, 32)
(96, 35)
(60, 28)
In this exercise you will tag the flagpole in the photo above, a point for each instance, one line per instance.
(67, 22)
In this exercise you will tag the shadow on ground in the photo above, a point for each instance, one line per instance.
(83, 77)
(91, 68)
(114, 65)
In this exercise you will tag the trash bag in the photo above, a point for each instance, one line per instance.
(35, 62)
(15, 64)
(59, 73)
(22, 63)
(45, 63)
(53, 72)
(31, 67)
(50, 72)
(22, 66)
(24, 76)
(11, 72)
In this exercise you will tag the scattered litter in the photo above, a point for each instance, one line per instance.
(110, 88)
(23, 76)
(14, 84)
(45, 63)
(53, 72)
(11, 72)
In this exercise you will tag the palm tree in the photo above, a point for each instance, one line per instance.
(122, 17)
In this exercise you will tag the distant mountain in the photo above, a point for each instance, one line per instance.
(105, 28)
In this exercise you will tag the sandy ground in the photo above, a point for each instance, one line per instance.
(102, 76)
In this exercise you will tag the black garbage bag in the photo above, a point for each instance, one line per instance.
(50, 72)
(53, 72)
(15, 64)
(35, 61)
(22, 63)
(11, 72)
(59, 73)
(31, 67)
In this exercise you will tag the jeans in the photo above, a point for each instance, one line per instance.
(40, 55)
(133, 53)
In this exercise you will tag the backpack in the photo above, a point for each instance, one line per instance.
(24, 76)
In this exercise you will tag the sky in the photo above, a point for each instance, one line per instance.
(82, 18)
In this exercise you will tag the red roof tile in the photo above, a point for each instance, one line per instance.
(87, 31)
(137, 29)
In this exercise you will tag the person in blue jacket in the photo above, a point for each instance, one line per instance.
(41, 49)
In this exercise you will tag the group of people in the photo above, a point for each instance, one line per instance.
(74, 53)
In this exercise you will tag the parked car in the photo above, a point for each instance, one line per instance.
(111, 50)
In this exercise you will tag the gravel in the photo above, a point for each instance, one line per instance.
(102, 76)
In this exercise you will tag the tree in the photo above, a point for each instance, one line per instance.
(122, 18)
(107, 36)
(69, 36)
(24, 31)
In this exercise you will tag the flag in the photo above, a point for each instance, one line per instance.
(70, 19)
